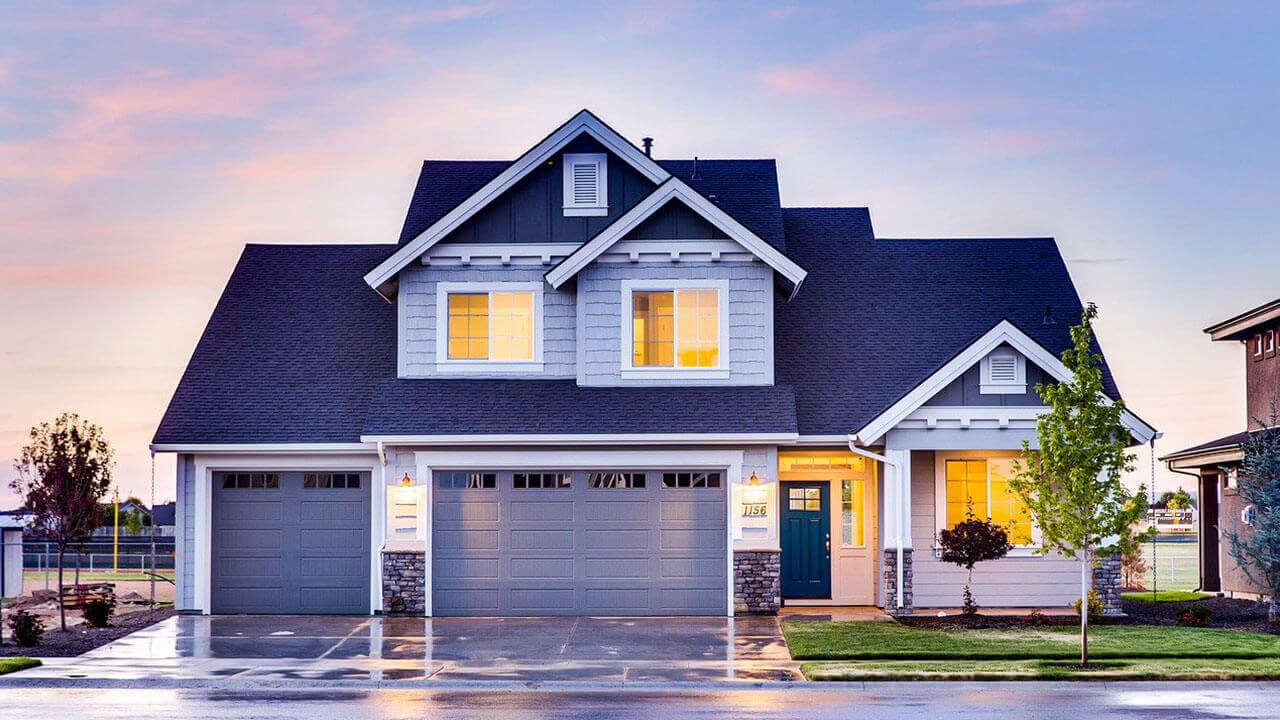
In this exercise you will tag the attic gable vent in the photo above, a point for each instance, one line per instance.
(1004, 372)
(586, 184)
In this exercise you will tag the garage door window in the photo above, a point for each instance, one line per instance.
(331, 480)
(622, 480)
(468, 480)
(691, 479)
(533, 481)
(251, 481)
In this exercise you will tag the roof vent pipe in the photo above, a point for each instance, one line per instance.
(695, 168)
(648, 146)
(1048, 316)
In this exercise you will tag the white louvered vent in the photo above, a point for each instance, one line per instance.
(1004, 371)
(585, 184)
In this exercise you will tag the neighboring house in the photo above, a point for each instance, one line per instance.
(591, 382)
(1217, 462)
(12, 523)
(108, 530)
(163, 515)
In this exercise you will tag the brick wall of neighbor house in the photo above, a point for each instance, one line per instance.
(416, 304)
(1025, 581)
(1107, 578)
(890, 566)
(756, 583)
(1262, 385)
(750, 357)
(404, 582)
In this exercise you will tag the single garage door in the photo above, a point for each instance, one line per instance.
(290, 542)
(579, 543)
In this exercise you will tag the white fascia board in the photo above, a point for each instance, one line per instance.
(583, 122)
(674, 188)
(588, 439)
(272, 448)
(1003, 332)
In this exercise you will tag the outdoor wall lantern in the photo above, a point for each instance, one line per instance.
(754, 498)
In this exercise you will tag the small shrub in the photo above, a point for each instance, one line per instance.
(26, 629)
(97, 612)
(1195, 616)
(1095, 605)
(1036, 618)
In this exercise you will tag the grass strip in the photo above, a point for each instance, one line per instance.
(1117, 669)
(11, 665)
(1165, 596)
(892, 641)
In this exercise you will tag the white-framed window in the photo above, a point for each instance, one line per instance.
(1004, 372)
(980, 480)
(586, 184)
(1257, 345)
(1269, 341)
(675, 329)
(1249, 515)
(489, 327)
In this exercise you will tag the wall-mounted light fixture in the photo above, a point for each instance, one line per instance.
(755, 498)
(406, 481)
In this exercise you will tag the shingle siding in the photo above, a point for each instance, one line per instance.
(750, 303)
(417, 300)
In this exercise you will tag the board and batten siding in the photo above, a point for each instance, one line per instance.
(417, 307)
(1049, 581)
(750, 304)
(184, 557)
(966, 389)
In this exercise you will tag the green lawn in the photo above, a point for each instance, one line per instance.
(1165, 596)
(889, 641)
(9, 665)
(1143, 669)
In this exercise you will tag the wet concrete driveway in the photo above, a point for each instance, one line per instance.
(572, 649)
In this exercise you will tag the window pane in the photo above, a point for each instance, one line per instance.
(652, 328)
(512, 330)
(623, 480)
(468, 326)
(852, 502)
(697, 328)
(1007, 509)
(966, 482)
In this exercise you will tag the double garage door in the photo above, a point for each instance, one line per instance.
(290, 542)
(579, 543)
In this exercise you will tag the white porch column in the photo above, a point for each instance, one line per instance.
(897, 501)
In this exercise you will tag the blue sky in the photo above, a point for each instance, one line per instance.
(143, 143)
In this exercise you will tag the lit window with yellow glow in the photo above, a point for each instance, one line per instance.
(491, 326)
(984, 486)
(675, 328)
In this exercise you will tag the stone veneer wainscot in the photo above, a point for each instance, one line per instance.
(404, 582)
(757, 585)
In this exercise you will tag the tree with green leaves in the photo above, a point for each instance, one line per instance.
(1256, 547)
(1072, 483)
(971, 541)
(63, 473)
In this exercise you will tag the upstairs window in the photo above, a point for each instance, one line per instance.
(1004, 372)
(1269, 342)
(489, 324)
(675, 328)
(1257, 345)
(586, 184)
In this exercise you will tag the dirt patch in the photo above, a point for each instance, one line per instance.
(79, 638)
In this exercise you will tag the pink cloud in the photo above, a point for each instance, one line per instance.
(449, 13)
(831, 84)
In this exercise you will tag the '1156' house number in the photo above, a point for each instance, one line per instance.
(753, 509)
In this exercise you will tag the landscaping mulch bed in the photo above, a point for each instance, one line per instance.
(80, 639)
(1228, 613)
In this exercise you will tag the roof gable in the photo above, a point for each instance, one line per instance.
(584, 123)
(675, 190)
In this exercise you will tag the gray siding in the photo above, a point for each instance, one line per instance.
(750, 346)
(964, 390)
(1050, 581)
(185, 560)
(675, 221)
(532, 211)
(417, 308)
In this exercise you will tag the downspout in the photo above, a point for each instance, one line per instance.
(897, 471)
(1168, 465)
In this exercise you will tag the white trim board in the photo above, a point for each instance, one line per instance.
(588, 439)
(582, 123)
(1003, 332)
(675, 188)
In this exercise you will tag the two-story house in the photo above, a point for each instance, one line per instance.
(1216, 463)
(591, 382)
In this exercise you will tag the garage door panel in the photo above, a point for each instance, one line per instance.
(289, 549)
(579, 549)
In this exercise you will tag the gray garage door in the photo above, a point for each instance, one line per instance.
(290, 542)
(579, 543)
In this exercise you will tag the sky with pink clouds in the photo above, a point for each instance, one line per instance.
(143, 143)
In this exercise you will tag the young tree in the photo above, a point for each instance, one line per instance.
(971, 541)
(63, 474)
(1257, 549)
(1072, 483)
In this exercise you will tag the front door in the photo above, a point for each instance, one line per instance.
(806, 540)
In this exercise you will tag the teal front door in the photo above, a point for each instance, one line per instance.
(806, 540)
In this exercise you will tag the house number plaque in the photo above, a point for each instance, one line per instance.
(754, 509)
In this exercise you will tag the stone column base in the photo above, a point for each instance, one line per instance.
(757, 588)
(404, 582)
(891, 582)
(1107, 576)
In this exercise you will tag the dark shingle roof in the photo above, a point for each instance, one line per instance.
(1229, 442)
(875, 317)
(746, 189)
(459, 407)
